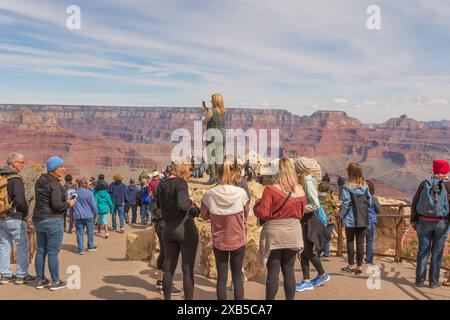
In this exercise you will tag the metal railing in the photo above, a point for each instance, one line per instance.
(399, 217)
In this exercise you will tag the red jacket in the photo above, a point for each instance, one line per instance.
(272, 199)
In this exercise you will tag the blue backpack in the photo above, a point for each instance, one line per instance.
(322, 215)
(433, 201)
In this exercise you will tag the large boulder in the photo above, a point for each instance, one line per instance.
(144, 246)
(206, 262)
(140, 245)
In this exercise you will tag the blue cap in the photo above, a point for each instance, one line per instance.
(54, 163)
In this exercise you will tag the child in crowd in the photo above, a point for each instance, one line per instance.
(330, 207)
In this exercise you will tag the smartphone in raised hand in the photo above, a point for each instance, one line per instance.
(204, 107)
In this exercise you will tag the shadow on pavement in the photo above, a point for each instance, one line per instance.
(112, 293)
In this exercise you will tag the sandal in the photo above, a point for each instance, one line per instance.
(358, 271)
(347, 269)
(446, 283)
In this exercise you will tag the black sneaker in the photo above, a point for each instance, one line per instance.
(159, 285)
(26, 279)
(42, 284)
(5, 280)
(175, 291)
(92, 249)
(58, 285)
(419, 285)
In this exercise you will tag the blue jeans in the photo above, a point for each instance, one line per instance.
(144, 212)
(49, 238)
(80, 224)
(326, 250)
(432, 237)
(118, 209)
(370, 239)
(17, 231)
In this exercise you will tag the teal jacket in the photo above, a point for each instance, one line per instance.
(104, 202)
(312, 196)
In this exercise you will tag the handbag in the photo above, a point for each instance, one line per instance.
(261, 221)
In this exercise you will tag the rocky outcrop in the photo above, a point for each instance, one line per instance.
(140, 245)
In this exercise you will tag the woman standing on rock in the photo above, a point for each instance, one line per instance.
(215, 119)
(312, 228)
(281, 206)
(227, 205)
(180, 233)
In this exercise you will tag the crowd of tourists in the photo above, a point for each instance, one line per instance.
(297, 215)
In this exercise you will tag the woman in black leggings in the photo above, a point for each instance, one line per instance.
(227, 207)
(179, 233)
(281, 207)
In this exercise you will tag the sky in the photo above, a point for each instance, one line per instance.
(298, 55)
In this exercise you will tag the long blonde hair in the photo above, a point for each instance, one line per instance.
(227, 173)
(217, 103)
(181, 170)
(286, 177)
(355, 175)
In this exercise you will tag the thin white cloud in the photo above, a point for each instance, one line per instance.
(340, 101)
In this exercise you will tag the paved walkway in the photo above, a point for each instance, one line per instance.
(106, 275)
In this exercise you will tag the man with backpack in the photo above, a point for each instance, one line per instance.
(13, 228)
(430, 217)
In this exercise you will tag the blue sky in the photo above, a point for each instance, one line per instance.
(293, 54)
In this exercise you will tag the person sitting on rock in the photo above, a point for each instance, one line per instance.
(227, 206)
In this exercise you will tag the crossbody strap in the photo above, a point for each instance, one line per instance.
(281, 207)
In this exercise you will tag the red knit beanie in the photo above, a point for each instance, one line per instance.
(440, 167)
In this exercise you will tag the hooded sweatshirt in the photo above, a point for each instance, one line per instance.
(132, 193)
(118, 192)
(16, 194)
(86, 208)
(104, 202)
(227, 207)
(346, 213)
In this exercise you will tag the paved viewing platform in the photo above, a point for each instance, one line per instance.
(105, 274)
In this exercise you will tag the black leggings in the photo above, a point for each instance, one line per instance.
(350, 234)
(179, 237)
(307, 254)
(236, 258)
(160, 260)
(283, 259)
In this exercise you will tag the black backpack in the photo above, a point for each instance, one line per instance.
(360, 207)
